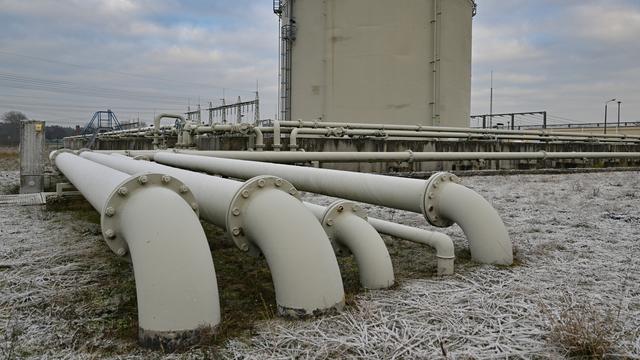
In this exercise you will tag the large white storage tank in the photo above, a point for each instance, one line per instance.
(376, 61)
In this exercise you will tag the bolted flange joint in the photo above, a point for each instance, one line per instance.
(110, 215)
(54, 154)
(242, 198)
(332, 214)
(430, 198)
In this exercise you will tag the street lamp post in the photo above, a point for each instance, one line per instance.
(619, 102)
(605, 114)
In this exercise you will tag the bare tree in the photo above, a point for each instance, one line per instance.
(10, 127)
(13, 117)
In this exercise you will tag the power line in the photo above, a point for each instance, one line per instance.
(31, 83)
(75, 106)
(121, 72)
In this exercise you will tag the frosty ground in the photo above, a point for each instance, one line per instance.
(575, 283)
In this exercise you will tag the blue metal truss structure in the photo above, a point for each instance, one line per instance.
(102, 121)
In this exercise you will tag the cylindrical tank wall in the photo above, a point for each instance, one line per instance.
(381, 61)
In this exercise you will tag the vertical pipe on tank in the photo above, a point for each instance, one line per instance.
(434, 65)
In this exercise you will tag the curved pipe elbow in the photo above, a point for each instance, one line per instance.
(175, 279)
(305, 272)
(442, 243)
(347, 227)
(446, 201)
(259, 138)
(156, 126)
(293, 139)
(368, 248)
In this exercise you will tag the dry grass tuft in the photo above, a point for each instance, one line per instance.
(583, 332)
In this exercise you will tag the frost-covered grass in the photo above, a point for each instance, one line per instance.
(574, 290)
(577, 239)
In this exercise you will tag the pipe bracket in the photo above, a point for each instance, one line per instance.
(335, 210)
(430, 198)
(242, 198)
(109, 218)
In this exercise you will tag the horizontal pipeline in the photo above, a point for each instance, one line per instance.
(321, 124)
(408, 156)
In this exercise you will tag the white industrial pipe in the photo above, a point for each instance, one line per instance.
(243, 128)
(347, 227)
(175, 279)
(408, 156)
(276, 136)
(322, 124)
(156, 126)
(341, 132)
(443, 244)
(487, 235)
(261, 215)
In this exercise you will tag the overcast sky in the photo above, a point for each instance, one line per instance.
(62, 60)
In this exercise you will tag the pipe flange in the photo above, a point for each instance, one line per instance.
(110, 217)
(430, 198)
(333, 211)
(240, 201)
(142, 157)
(411, 156)
(54, 154)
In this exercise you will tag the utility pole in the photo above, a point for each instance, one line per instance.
(257, 109)
(605, 114)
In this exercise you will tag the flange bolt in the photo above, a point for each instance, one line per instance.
(235, 231)
(110, 211)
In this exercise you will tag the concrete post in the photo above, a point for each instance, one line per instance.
(32, 142)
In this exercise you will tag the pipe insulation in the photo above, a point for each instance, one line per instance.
(425, 197)
(263, 215)
(176, 287)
